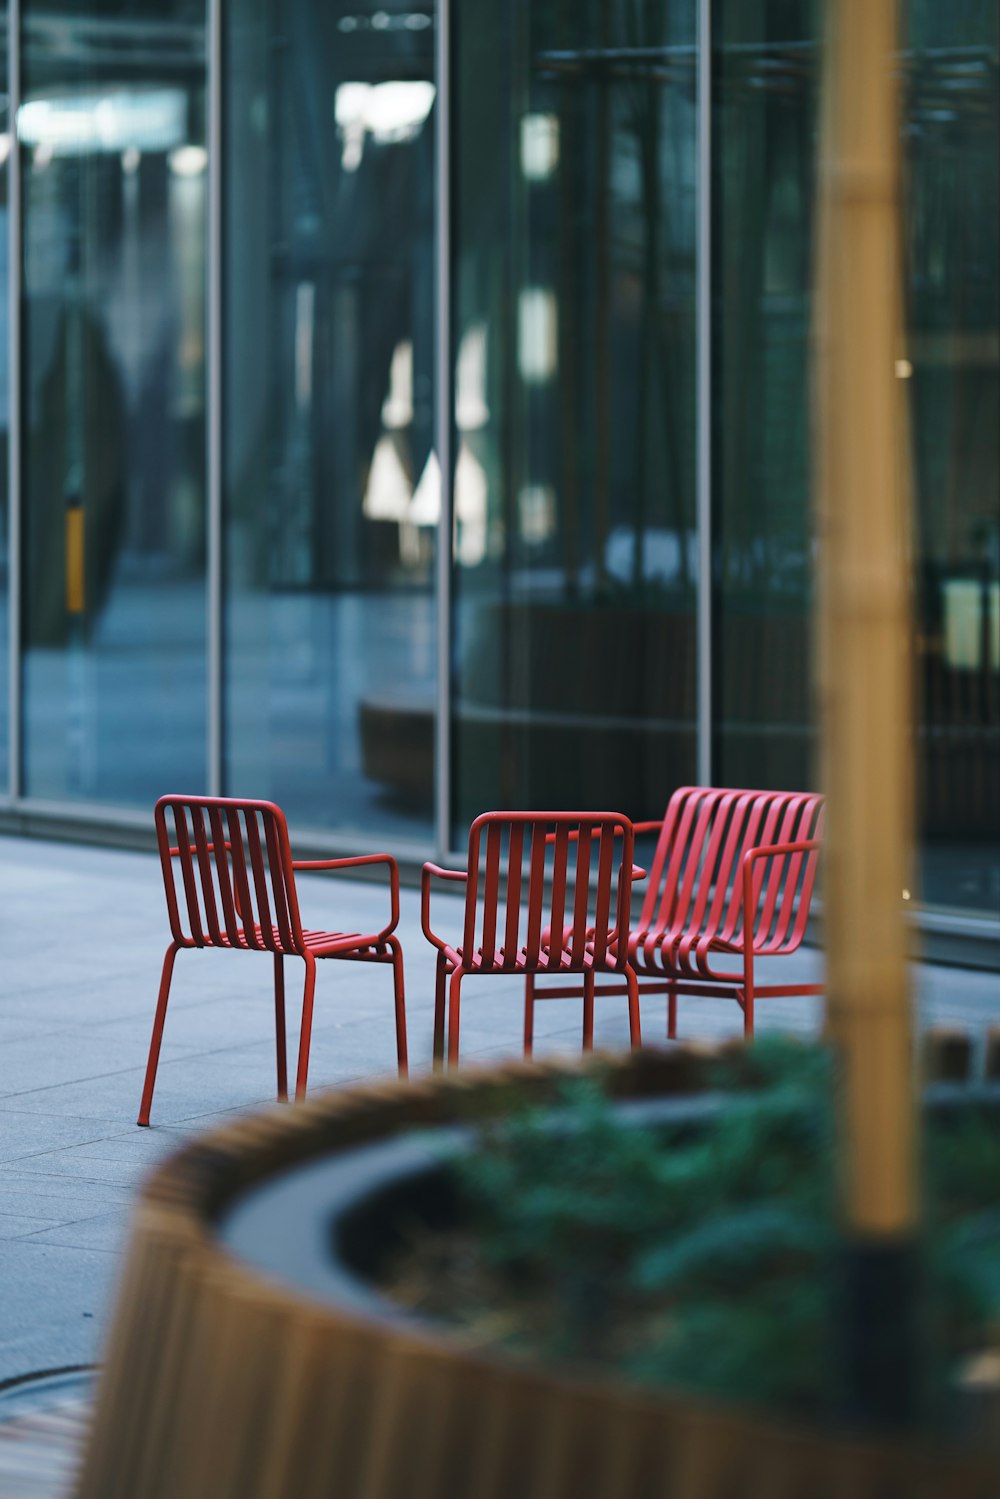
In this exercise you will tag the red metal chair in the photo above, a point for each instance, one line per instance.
(721, 854)
(234, 877)
(585, 859)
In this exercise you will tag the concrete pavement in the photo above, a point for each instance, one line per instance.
(83, 932)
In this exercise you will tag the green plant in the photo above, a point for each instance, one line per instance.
(702, 1252)
(690, 1254)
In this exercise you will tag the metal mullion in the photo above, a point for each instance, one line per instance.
(703, 317)
(214, 384)
(443, 425)
(14, 410)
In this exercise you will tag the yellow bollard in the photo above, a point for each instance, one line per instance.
(76, 589)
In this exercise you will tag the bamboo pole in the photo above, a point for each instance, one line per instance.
(865, 672)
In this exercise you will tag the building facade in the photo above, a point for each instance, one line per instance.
(273, 268)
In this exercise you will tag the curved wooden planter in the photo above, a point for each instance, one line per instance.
(223, 1383)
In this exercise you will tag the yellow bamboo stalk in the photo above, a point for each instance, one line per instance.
(865, 673)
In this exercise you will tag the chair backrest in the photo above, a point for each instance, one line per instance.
(696, 883)
(535, 872)
(227, 871)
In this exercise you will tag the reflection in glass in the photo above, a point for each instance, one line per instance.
(764, 131)
(952, 366)
(114, 195)
(767, 71)
(331, 490)
(574, 270)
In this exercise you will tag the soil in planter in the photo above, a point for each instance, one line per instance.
(701, 1256)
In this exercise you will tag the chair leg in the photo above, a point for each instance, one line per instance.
(154, 1045)
(306, 1032)
(456, 981)
(671, 1013)
(279, 1027)
(397, 988)
(588, 1011)
(748, 993)
(440, 978)
(529, 1013)
(748, 1010)
(635, 1034)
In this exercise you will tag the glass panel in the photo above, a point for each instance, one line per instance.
(953, 363)
(574, 319)
(767, 70)
(111, 133)
(4, 422)
(331, 491)
(764, 133)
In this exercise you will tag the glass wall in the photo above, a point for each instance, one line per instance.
(952, 137)
(331, 492)
(573, 272)
(111, 136)
(767, 67)
(766, 71)
(565, 658)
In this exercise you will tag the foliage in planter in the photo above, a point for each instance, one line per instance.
(701, 1255)
(963, 1230)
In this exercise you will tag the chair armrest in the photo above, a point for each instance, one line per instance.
(648, 827)
(442, 874)
(345, 863)
(772, 850)
(638, 873)
(573, 836)
(429, 872)
(355, 862)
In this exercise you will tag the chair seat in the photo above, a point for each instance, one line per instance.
(684, 954)
(689, 951)
(545, 962)
(672, 953)
(318, 943)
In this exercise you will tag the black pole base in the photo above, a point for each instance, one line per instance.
(880, 1334)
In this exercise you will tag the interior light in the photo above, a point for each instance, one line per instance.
(471, 410)
(471, 493)
(537, 507)
(904, 369)
(537, 334)
(85, 123)
(397, 408)
(381, 20)
(188, 161)
(539, 146)
(425, 507)
(389, 489)
(389, 112)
